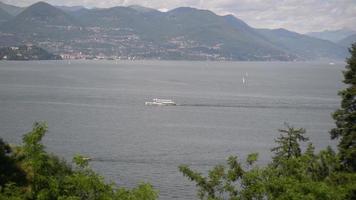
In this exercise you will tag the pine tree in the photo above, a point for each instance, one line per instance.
(345, 117)
(288, 143)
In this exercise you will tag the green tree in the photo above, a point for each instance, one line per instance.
(221, 180)
(345, 117)
(9, 170)
(45, 172)
(288, 143)
(293, 174)
(49, 177)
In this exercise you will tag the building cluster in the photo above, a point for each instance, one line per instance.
(123, 44)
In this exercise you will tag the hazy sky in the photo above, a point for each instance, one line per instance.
(297, 15)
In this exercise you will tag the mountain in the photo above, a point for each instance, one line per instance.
(70, 8)
(4, 16)
(346, 42)
(142, 9)
(41, 20)
(334, 36)
(145, 33)
(12, 10)
(41, 14)
(124, 17)
(195, 32)
(304, 46)
(231, 35)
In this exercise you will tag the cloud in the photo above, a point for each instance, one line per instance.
(297, 15)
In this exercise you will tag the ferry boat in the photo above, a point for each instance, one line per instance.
(160, 102)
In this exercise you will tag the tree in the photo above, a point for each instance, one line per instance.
(9, 171)
(288, 143)
(45, 176)
(221, 180)
(345, 117)
(293, 174)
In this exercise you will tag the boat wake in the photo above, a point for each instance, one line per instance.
(319, 107)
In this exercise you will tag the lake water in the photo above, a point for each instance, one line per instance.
(96, 108)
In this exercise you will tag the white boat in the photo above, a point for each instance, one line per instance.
(160, 102)
(244, 79)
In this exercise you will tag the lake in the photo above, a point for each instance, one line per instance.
(97, 108)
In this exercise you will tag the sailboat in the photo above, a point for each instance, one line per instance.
(244, 79)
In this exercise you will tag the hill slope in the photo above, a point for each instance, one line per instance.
(182, 33)
(197, 31)
(26, 53)
(12, 10)
(4, 16)
(333, 36)
(304, 46)
(41, 19)
(346, 42)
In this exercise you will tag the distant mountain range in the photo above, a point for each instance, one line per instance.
(4, 16)
(347, 41)
(333, 35)
(10, 9)
(137, 32)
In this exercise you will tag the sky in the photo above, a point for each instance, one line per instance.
(297, 15)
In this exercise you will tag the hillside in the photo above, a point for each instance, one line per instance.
(26, 53)
(143, 33)
(41, 20)
(12, 10)
(333, 36)
(4, 16)
(346, 42)
(304, 46)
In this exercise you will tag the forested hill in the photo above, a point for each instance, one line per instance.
(26, 53)
(137, 32)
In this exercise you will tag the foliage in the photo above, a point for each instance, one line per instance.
(26, 53)
(292, 174)
(345, 117)
(288, 145)
(9, 170)
(32, 173)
